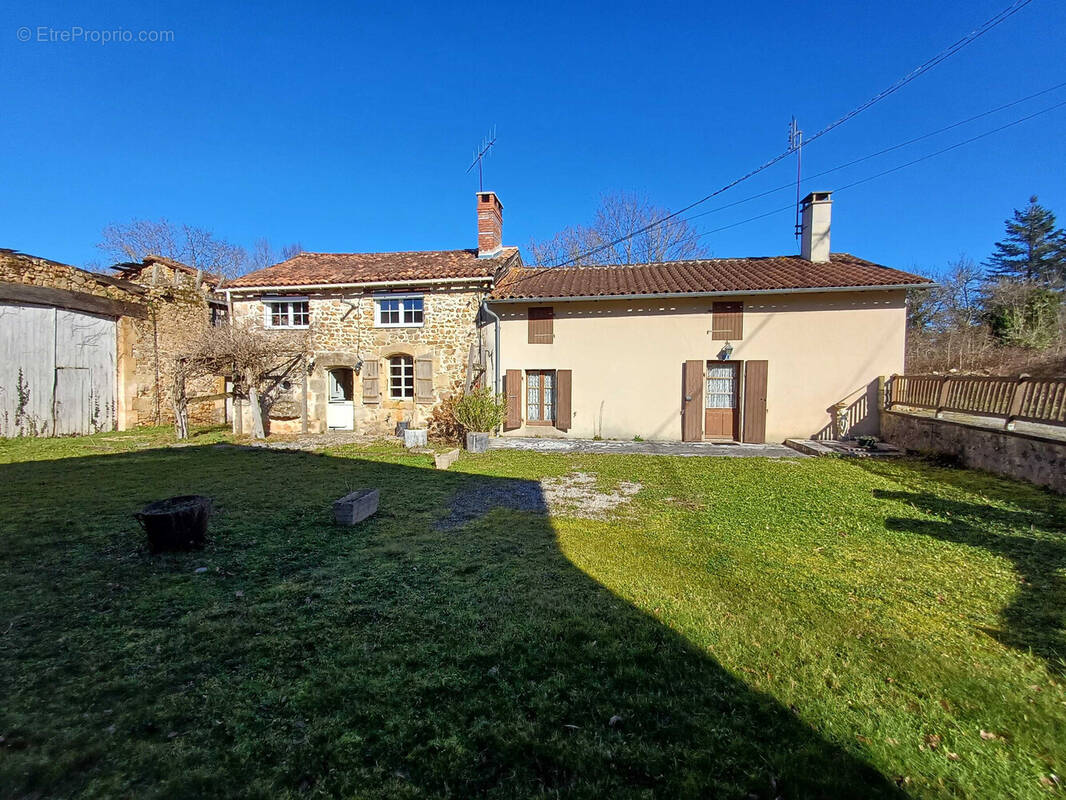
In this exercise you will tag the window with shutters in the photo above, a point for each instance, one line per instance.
(541, 325)
(399, 311)
(727, 321)
(401, 377)
(540, 397)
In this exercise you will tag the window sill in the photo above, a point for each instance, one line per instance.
(399, 324)
(287, 327)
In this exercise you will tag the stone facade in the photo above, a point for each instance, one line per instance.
(1009, 453)
(344, 335)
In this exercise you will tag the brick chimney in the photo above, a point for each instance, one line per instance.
(489, 224)
(816, 212)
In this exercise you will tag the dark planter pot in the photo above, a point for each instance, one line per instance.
(177, 523)
(477, 442)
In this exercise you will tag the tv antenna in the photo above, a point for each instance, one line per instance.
(479, 158)
(795, 143)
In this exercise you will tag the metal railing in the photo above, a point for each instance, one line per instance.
(1019, 399)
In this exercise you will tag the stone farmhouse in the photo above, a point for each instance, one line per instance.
(392, 333)
(743, 349)
(739, 349)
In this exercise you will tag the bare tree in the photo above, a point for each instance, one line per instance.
(256, 360)
(197, 247)
(263, 254)
(619, 215)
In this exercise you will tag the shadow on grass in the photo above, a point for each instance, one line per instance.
(429, 652)
(1033, 539)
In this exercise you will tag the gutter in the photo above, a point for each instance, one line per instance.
(364, 284)
(496, 353)
(679, 295)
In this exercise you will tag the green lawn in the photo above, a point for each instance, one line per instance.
(739, 627)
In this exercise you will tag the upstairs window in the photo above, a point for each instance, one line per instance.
(287, 312)
(399, 311)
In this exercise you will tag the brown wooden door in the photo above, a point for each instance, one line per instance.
(692, 401)
(755, 378)
(721, 415)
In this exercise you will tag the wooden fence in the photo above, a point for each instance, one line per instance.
(1022, 399)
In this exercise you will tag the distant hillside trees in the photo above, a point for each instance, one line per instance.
(1007, 317)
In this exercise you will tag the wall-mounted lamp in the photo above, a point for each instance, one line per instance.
(726, 351)
(358, 366)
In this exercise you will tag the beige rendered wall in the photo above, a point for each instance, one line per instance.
(627, 357)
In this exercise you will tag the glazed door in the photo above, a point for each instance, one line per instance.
(340, 412)
(721, 416)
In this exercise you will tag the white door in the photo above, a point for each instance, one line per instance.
(340, 412)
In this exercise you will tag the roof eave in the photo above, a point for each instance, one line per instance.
(678, 295)
(478, 279)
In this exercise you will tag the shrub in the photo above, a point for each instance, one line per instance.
(443, 426)
(479, 411)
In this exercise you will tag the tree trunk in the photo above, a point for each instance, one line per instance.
(256, 407)
(181, 405)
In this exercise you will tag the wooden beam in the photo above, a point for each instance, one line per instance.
(75, 301)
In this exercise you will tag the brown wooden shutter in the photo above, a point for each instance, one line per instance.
(727, 321)
(371, 382)
(755, 373)
(513, 387)
(424, 378)
(563, 405)
(692, 401)
(541, 325)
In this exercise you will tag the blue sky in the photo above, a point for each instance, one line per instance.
(348, 127)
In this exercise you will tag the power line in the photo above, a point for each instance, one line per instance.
(881, 174)
(889, 171)
(881, 152)
(943, 55)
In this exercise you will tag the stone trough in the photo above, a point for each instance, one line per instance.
(355, 507)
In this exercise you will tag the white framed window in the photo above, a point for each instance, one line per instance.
(286, 312)
(398, 311)
(401, 377)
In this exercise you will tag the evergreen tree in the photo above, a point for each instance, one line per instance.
(1033, 251)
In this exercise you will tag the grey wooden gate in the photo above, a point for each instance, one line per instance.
(57, 371)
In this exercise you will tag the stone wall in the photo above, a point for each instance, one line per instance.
(35, 271)
(178, 312)
(343, 335)
(1008, 453)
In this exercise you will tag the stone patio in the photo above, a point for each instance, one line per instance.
(705, 449)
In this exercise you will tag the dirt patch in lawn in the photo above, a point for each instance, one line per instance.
(573, 495)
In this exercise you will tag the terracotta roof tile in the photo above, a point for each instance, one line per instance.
(309, 269)
(705, 276)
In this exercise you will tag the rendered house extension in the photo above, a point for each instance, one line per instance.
(736, 349)
(392, 333)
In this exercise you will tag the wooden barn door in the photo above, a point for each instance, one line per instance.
(692, 401)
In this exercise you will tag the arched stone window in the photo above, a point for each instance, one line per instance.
(401, 377)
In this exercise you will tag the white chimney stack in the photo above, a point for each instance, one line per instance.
(816, 212)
